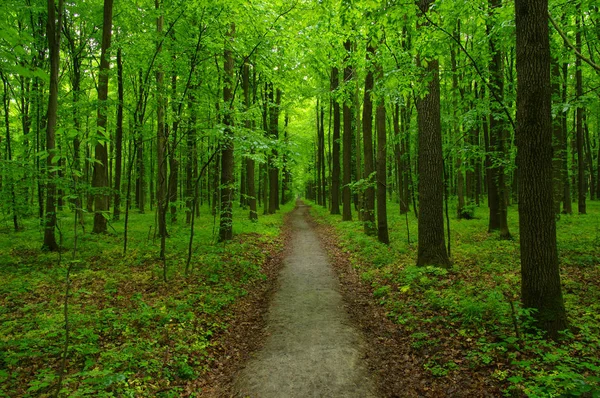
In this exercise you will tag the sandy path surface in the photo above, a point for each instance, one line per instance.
(312, 348)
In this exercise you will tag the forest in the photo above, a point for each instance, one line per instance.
(161, 159)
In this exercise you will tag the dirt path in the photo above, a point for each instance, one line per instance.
(312, 348)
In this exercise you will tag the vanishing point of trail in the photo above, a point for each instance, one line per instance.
(312, 348)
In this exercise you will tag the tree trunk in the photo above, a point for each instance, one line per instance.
(11, 183)
(250, 164)
(358, 151)
(173, 162)
(557, 140)
(567, 201)
(161, 141)
(335, 168)
(589, 157)
(100, 175)
(497, 176)
(53, 34)
(191, 159)
(322, 156)
(581, 182)
(540, 287)
(227, 163)
(119, 138)
(368, 215)
(382, 224)
(347, 144)
(431, 246)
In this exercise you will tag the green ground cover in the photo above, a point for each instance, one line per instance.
(131, 334)
(469, 319)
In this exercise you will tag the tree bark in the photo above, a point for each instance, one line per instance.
(250, 164)
(100, 175)
(227, 163)
(161, 141)
(119, 138)
(347, 144)
(557, 140)
(498, 136)
(382, 224)
(335, 167)
(430, 166)
(368, 215)
(53, 34)
(274, 102)
(581, 182)
(540, 287)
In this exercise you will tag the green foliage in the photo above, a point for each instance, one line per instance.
(469, 311)
(130, 333)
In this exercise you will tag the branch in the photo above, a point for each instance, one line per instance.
(562, 34)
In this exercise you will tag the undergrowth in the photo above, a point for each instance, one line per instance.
(131, 334)
(468, 319)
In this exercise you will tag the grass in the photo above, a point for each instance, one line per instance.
(469, 311)
(131, 334)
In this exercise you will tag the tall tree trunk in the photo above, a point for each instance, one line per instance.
(250, 163)
(100, 176)
(589, 157)
(368, 215)
(498, 137)
(431, 248)
(398, 155)
(557, 142)
(581, 182)
(53, 34)
(322, 156)
(119, 137)
(173, 162)
(407, 181)
(318, 155)
(11, 183)
(540, 286)
(287, 177)
(347, 144)
(335, 167)
(567, 201)
(357, 150)
(191, 159)
(161, 139)
(382, 224)
(227, 165)
(274, 133)
(140, 180)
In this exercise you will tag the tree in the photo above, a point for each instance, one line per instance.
(540, 276)
(335, 167)
(368, 215)
(227, 165)
(382, 224)
(250, 167)
(53, 33)
(347, 142)
(118, 138)
(581, 180)
(100, 176)
(161, 139)
(432, 248)
(498, 153)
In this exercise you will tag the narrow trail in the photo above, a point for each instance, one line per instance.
(312, 349)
